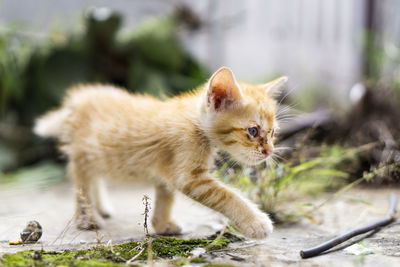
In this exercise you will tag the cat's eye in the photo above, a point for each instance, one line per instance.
(253, 131)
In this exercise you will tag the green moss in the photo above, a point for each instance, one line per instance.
(168, 247)
(95, 263)
(67, 258)
(180, 262)
(161, 247)
(197, 260)
(18, 259)
(220, 241)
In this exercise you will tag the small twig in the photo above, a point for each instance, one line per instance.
(140, 246)
(365, 177)
(131, 260)
(109, 244)
(338, 193)
(219, 236)
(146, 213)
(340, 239)
(64, 231)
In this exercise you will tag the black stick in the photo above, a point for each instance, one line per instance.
(340, 239)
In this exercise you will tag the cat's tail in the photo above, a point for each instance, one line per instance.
(52, 123)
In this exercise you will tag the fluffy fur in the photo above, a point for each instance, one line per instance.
(108, 133)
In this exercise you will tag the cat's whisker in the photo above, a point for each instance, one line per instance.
(271, 163)
(234, 164)
(274, 155)
(287, 94)
(283, 108)
(278, 156)
(285, 116)
(293, 106)
(286, 113)
(286, 120)
(280, 148)
(287, 109)
(283, 112)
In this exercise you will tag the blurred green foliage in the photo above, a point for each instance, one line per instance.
(381, 60)
(40, 175)
(327, 169)
(34, 74)
(149, 60)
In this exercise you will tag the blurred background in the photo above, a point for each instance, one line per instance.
(342, 57)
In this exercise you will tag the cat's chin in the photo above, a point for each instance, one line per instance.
(256, 162)
(253, 161)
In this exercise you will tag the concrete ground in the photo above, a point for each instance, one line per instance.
(54, 208)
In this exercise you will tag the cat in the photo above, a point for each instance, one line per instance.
(107, 132)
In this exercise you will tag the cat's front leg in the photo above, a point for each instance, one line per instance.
(245, 215)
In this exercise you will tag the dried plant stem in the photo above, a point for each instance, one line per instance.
(221, 234)
(131, 260)
(366, 177)
(148, 241)
(340, 239)
(146, 213)
(338, 193)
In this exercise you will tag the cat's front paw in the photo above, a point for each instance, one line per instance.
(166, 228)
(257, 226)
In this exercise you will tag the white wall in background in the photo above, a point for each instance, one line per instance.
(312, 41)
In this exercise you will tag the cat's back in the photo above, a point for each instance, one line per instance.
(106, 102)
(105, 107)
(105, 96)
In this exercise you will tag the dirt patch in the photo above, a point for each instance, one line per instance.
(53, 208)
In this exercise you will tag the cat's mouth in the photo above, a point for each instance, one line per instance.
(255, 158)
(262, 158)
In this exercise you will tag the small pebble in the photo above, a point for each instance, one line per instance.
(32, 232)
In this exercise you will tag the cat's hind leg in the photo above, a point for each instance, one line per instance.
(86, 217)
(161, 220)
(101, 199)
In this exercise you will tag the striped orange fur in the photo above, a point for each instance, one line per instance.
(108, 133)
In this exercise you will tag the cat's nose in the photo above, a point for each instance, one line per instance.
(265, 152)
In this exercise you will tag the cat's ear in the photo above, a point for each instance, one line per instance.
(223, 90)
(274, 87)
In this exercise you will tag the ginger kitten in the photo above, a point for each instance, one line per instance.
(108, 133)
